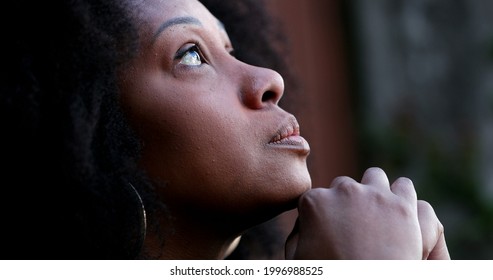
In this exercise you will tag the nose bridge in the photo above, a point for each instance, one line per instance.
(261, 86)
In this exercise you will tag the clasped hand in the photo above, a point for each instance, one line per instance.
(369, 220)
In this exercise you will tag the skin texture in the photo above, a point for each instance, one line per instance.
(210, 131)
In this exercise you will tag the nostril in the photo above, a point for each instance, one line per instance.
(268, 95)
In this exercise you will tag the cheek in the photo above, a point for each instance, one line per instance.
(188, 142)
(197, 151)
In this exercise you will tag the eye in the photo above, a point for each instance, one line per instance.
(190, 56)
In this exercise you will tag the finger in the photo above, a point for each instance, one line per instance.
(375, 177)
(431, 232)
(404, 187)
(440, 252)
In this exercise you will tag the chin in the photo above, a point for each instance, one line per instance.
(288, 188)
(297, 179)
(298, 186)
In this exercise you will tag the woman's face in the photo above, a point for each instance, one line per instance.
(211, 128)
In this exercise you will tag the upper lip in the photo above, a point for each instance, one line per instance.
(289, 127)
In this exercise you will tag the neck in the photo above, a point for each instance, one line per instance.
(199, 240)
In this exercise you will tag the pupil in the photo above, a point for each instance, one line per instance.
(192, 58)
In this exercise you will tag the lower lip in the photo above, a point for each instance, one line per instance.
(295, 142)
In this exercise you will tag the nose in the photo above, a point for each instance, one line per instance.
(261, 87)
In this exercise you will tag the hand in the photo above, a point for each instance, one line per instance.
(367, 220)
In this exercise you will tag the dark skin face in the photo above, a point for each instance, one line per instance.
(223, 154)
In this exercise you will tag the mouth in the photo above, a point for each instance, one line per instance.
(288, 136)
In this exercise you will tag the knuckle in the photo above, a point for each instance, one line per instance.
(430, 211)
(428, 214)
(310, 199)
(404, 181)
(346, 185)
(340, 180)
(374, 170)
(425, 207)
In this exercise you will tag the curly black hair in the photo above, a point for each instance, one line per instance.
(69, 159)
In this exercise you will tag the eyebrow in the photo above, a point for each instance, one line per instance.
(181, 20)
(175, 21)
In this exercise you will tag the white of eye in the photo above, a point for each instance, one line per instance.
(191, 58)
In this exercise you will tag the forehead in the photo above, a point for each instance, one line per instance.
(159, 12)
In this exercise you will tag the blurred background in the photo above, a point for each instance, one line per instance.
(405, 85)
